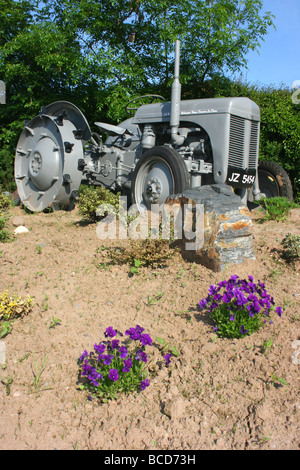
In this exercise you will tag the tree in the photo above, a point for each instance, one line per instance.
(130, 43)
(39, 63)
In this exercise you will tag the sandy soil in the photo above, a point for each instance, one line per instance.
(218, 394)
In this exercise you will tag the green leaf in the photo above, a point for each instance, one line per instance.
(160, 341)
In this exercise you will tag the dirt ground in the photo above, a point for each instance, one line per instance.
(218, 394)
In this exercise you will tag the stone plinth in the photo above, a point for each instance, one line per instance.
(219, 223)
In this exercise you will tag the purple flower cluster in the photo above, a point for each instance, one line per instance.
(89, 371)
(240, 294)
(136, 334)
(117, 357)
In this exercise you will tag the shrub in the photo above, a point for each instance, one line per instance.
(91, 198)
(5, 204)
(158, 246)
(12, 307)
(277, 208)
(239, 307)
(5, 235)
(291, 248)
(141, 253)
(113, 368)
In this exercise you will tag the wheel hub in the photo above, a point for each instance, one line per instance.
(36, 163)
(153, 189)
(43, 165)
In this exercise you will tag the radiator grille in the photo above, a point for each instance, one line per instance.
(243, 143)
(253, 148)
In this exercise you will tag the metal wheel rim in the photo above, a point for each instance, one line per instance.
(268, 184)
(154, 183)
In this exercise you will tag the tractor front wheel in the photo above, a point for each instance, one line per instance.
(159, 173)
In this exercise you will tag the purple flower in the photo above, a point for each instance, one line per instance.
(83, 355)
(110, 332)
(146, 339)
(227, 297)
(278, 310)
(241, 299)
(94, 379)
(107, 359)
(217, 297)
(213, 306)
(139, 329)
(167, 358)
(86, 367)
(127, 365)
(133, 334)
(91, 373)
(144, 384)
(123, 352)
(99, 348)
(243, 331)
(141, 356)
(113, 375)
(203, 303)
(213, 290)
(115, 344)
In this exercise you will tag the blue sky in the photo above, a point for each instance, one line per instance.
(278, 60)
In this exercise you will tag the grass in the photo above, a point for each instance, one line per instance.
(37, 371)
(276, 208)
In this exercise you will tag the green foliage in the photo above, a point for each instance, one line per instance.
(5, 235)
(291, 248)
(115, 368)
(54, 322)
(239, 307)
(277, 381)
(166, 348)
(277, 208)
(139, 253)
(5, 204)
(97, 202)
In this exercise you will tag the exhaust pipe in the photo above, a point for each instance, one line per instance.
(177, 139)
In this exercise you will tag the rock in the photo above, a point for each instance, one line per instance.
(21, 229)
(2, 352)
(176, 408)
(17, 221)
(16, 198)
(217, 226)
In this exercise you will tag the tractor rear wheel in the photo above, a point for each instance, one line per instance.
(274, 180)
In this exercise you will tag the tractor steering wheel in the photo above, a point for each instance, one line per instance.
(139, 98)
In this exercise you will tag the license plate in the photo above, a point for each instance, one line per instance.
(240, 178)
